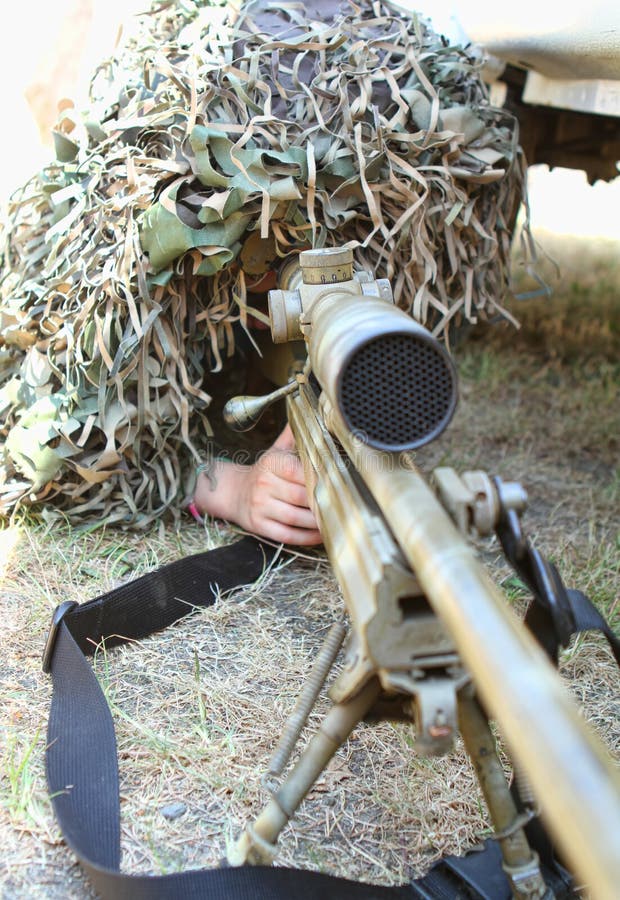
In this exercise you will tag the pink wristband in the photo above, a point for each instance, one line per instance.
(193, 511)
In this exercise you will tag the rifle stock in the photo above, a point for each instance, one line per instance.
(429, 630)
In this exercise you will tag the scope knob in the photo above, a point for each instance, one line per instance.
(329, 265)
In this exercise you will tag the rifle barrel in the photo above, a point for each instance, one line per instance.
(571, 773)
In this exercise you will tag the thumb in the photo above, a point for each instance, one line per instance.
(285, 440)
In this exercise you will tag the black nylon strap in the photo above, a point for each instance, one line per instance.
(160, 598)
(556, 613)
(588, 618)
(81, 757)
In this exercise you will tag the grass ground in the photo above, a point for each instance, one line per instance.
(197, 707)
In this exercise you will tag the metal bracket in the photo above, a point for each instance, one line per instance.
(57, 616)
(474, 501)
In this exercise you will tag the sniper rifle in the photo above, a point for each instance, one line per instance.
(431, 639)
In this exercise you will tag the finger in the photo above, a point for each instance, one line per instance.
(287, 514)
(286, 534)
(284, 464)
(290, 492)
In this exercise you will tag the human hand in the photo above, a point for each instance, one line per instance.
(268, 498)
(273, 498)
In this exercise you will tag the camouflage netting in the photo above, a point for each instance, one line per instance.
(209, 152)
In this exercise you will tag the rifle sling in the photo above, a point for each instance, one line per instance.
(556, 613)
(81, 755)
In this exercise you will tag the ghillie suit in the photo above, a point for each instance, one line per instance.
(211, 151)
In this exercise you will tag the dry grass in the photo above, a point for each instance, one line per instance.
(198, 706)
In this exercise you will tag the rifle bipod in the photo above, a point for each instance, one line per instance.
(256, 845)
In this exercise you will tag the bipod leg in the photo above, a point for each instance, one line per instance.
(256, 846)
(520, 862)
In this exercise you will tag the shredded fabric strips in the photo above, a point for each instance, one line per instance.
(216, 144)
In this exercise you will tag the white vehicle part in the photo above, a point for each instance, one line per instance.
(569, 40)
(571, 51)
(588, 95)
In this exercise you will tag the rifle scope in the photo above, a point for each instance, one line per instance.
(392, 382)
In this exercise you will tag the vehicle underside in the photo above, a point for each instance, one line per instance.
(563, 137)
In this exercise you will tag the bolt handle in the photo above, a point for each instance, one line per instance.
(241, 413)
